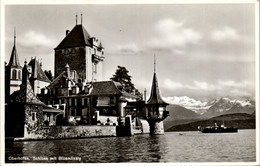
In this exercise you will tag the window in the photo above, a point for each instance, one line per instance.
(19, 74)
(14, 74)
(112, 100)
(94, 67)
(33, 116)
(72, 102)
(73, 112)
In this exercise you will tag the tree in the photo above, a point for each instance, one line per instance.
(48, 74)
(121, 75)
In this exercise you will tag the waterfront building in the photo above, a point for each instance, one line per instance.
(94, 102)
(79, 97)
(156, 108)
(25, 114)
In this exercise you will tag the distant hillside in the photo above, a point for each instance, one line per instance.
(179, 115)
(212, 108)
(179, 112)
(240, 109)
(239, 120)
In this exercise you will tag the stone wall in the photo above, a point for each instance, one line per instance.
(103, 119)
(75, 57)
(63, 132)
(145, 126)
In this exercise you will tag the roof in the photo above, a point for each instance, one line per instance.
(105, 88)
(37, 72)
(25, 94)
(51, 109)
(155, 98)
(77, 37)
(109, 88)
(57, 79)
(14, 62)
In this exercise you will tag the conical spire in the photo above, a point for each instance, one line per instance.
(14, 61)
(155, 97)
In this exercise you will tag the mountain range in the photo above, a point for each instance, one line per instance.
(215, 107)
(185, 110)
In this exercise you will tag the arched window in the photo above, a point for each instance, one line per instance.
(14, 74)
(19, 74)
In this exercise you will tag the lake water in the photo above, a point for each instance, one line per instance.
(171, 147)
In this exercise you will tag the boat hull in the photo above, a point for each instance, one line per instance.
(219, 130)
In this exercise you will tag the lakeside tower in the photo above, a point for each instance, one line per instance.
(156, 108)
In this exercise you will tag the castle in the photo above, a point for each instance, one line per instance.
(78, 98)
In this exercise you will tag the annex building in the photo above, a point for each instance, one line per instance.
(77, 96)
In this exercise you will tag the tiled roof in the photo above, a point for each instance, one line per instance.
(37, 72)
(104, 88)
(109, 88)
(25, 94)
(77, 37)
(14, 62)
(155, 98)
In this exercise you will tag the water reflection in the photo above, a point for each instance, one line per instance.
(171, 147)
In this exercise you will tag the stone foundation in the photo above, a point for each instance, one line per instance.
(64, 132)
(156, 128)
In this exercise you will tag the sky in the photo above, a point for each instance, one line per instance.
(204, 51)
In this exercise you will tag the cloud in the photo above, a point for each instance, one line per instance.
(202, 85)
(231, 83)
(169, 84)
(224, 34)
(128, 48)
(220, 87)
(173, 35)
(34, 39)
(196, 85)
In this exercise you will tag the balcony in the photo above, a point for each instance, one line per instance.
(96, 58)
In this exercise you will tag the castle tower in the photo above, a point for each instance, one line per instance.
(82, 53)
(13, 72)
(156, 108)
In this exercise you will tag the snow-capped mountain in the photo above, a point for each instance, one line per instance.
(220, 106)
(189, 103)
(226, 106)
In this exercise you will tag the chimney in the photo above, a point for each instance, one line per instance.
(67, 32)
(145, 95)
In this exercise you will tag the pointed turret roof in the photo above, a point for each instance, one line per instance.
(14, 61)
(155, 97)
(77, 37)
